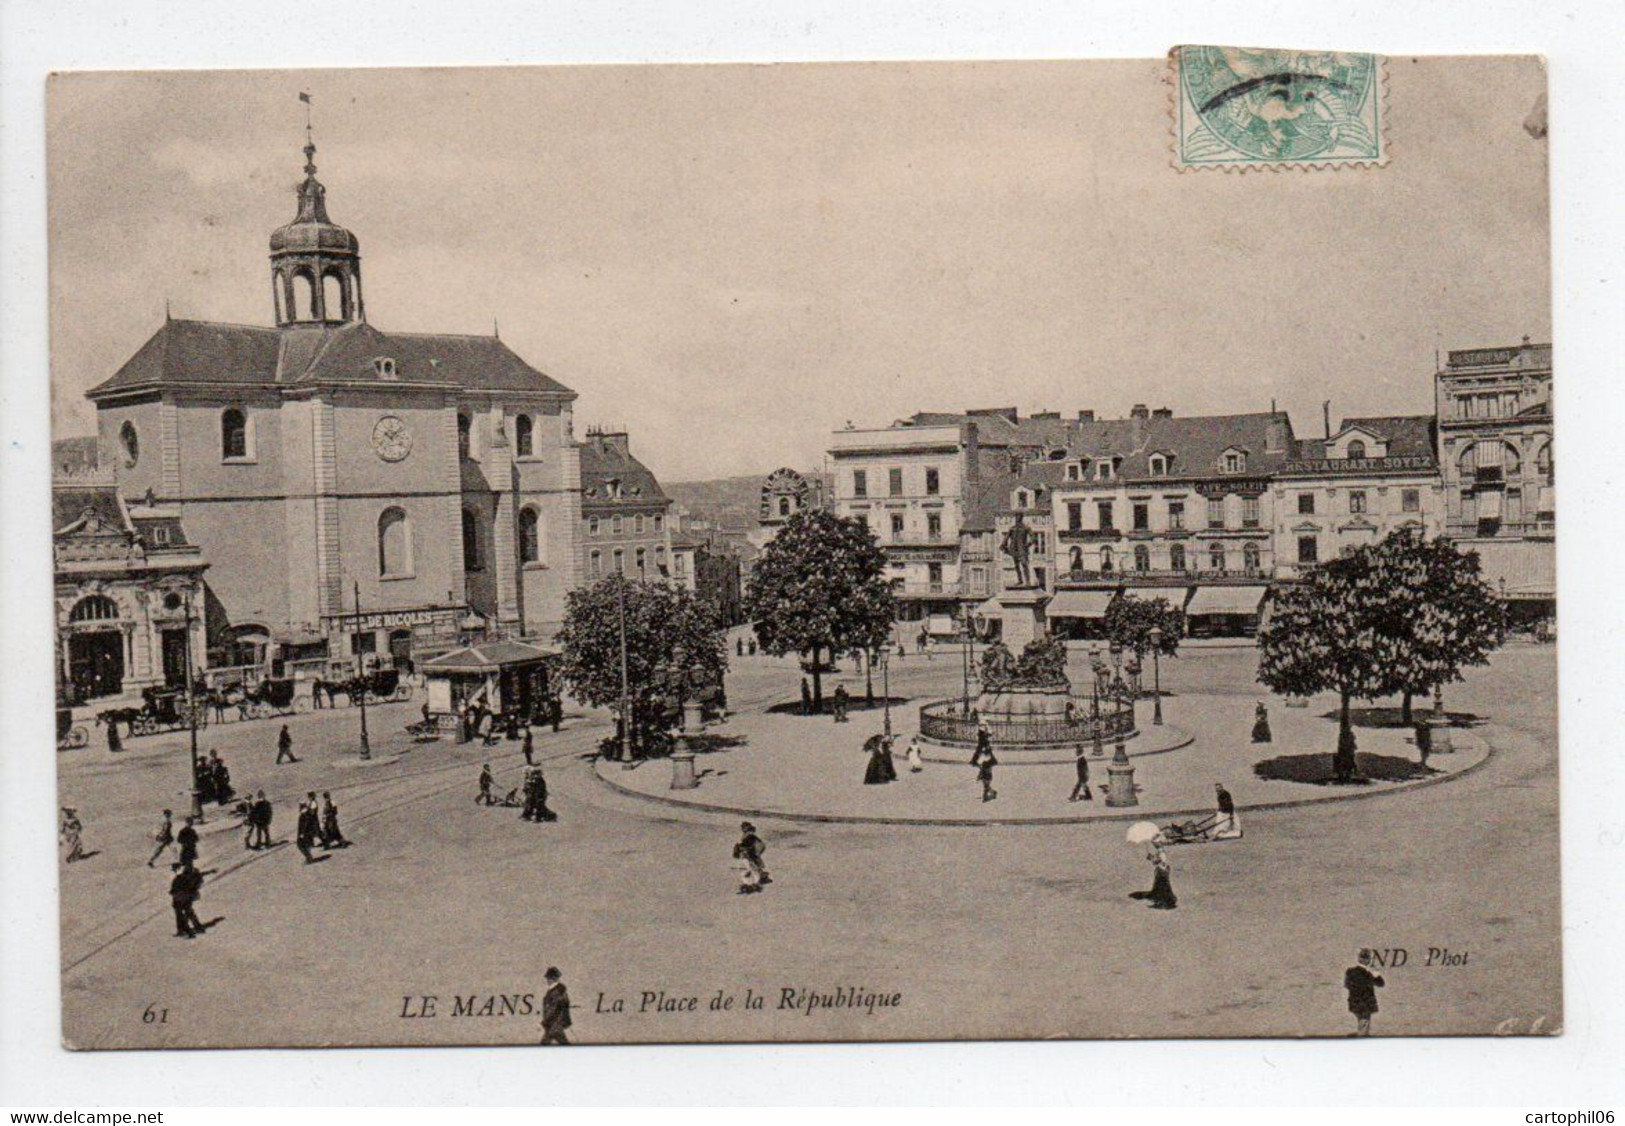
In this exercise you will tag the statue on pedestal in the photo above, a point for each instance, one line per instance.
(1017, 544)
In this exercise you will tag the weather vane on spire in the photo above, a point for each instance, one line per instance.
(310, 141)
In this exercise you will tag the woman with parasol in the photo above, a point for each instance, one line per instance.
(1161, 897)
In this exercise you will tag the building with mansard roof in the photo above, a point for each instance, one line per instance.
(1371, 477)
(625, 517)
(321, 462)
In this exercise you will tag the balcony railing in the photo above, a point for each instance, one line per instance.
(1089, 535)
(945, 722)
(924, 590)
(1188, 574)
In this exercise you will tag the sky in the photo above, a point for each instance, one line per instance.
(733, 261)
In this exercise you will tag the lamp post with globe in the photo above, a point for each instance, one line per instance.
(1120, 772)
(1156, 675)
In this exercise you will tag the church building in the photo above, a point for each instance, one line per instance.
(355, 491)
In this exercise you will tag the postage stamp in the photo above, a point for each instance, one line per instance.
(1248, 107)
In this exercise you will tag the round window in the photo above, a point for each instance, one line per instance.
(172, 601)
(132, 445)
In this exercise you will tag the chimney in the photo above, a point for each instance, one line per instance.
(1045, 416)
(1162, 412)
(970, 447)
(1277, 434)
(1086, 416)
(1138, 418)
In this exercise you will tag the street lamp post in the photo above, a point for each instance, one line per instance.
(1094, 702)
(1120, 773)
(626, 687)
(885, 686)
(191, 714)
(361, 671)
(1156, 675)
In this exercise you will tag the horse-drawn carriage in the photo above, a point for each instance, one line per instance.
(376, 686)
(69, 735)
(273, 696)
(162, 709)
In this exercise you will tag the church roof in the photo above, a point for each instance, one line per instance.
(184, 352)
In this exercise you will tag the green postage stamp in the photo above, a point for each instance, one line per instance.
(1247, 107)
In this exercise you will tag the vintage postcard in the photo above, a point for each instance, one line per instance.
(627, 554)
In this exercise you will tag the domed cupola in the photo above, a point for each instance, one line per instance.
(315, 263)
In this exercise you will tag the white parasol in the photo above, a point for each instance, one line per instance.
(1142, 832)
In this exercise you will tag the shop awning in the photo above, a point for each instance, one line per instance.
(1225, 600)
(988, 609)
(1517, 569)
(1080, 604)
(1175, 596)
(488, 657)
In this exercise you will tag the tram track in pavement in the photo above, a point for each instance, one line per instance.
(154, 906)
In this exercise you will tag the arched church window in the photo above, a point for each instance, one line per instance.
(394, 544)
(132, 444)
(233, 434)
(530, 535)
(523, 437)
(1543, 463)
(95, 608)
(471, 541)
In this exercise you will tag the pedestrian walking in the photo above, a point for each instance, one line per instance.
(1261, 723)
(115, 744)
(304, 833)
(751, 848)
(874, 774)
(187, 840)
(163, 838)
(527, 748)
(223, 793)
(203, 781)
(915, 758)
(1161, 895)
(1424, 740)
(487, 780)
(332, 836)
(887, 763)
(542, 812)
(71, 831)
(185, 889)
(1080, 789)
(1362, 983)
(752, 647)
(555, 1008)
(842, 702)
(284, 747)
(984, 761)
(739, 646)
(260, 830)
(806, 697)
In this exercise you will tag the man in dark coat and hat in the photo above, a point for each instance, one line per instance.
(1362, 984)
(555, 1008)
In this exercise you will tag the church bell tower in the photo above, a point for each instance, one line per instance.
(315, 263)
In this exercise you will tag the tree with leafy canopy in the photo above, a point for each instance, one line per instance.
(818, 589)
(1130, 620)
(674, 645)
(1437, 615)
(1323, 636)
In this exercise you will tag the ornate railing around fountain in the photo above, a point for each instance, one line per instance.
(945, 722)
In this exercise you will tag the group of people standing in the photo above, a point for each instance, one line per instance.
(213, 780)
(317, 825)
